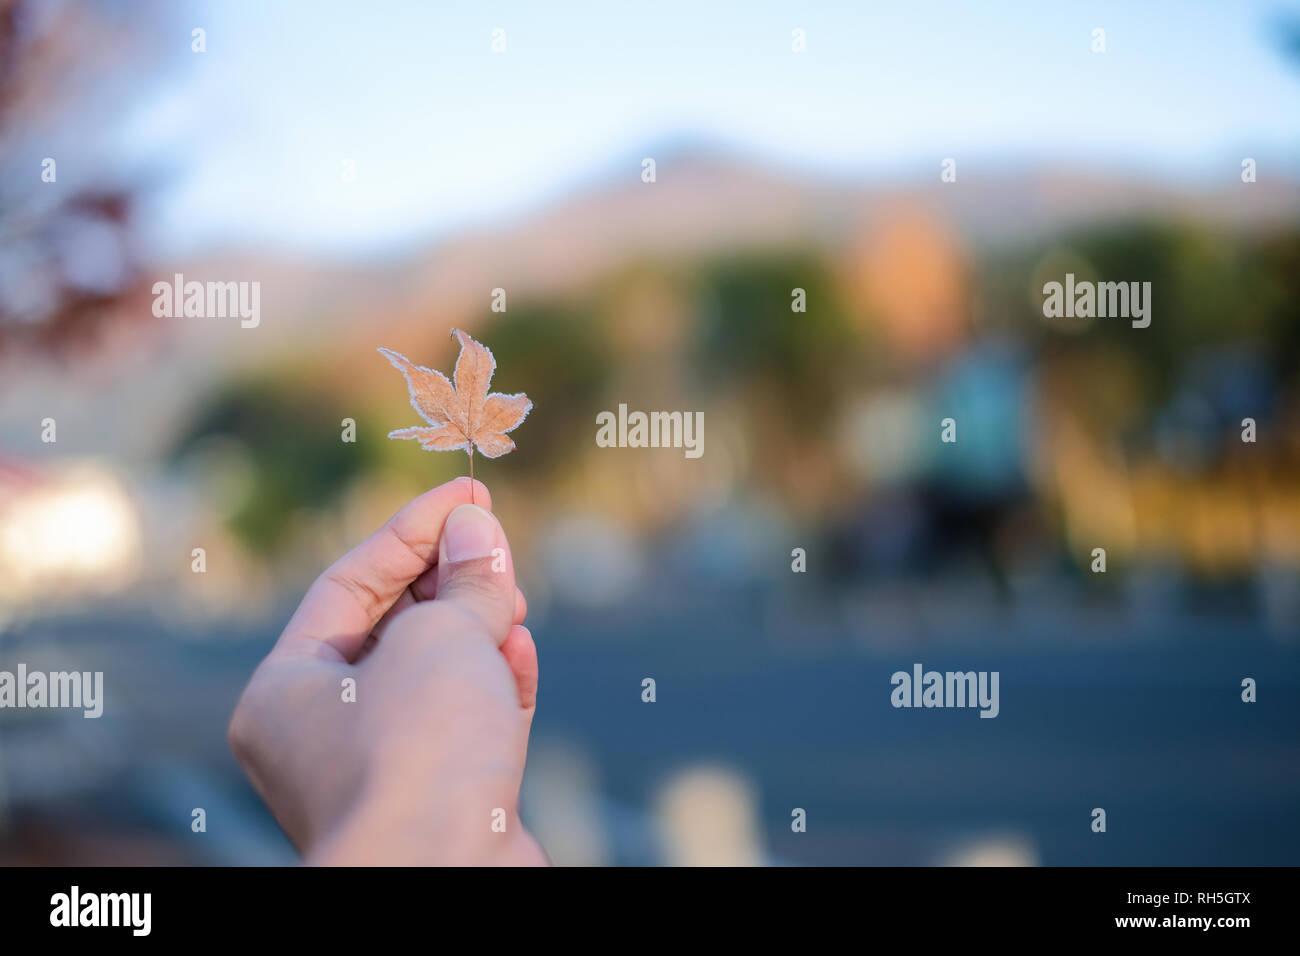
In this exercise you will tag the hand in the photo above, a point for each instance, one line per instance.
(425, 618)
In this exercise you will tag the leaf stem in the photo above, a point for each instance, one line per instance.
(471, 472)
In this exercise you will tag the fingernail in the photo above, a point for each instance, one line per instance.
(470, 533)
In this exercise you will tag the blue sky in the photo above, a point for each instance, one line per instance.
(445, 134)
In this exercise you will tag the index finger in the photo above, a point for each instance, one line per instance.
(345, 603)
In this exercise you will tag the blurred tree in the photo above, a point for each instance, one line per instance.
(289, 426)
(66, 257)
(747, 330)
(554, 352)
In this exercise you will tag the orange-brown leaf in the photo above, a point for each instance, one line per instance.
(503, 413)
(431, 394)
(474, 368)
(462, 413)
(446, 437)
(494, 445)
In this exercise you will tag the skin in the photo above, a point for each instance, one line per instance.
(413, 771)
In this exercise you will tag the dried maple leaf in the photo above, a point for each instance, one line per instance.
(462, 415)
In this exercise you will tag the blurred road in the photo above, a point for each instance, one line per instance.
(1095, 712)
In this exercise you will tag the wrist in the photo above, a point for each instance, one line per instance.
(465, 823)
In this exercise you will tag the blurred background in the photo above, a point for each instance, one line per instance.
(381, 168)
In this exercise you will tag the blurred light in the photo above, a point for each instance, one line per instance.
(563, 805)
(707, 817)
(590, 561)
(880, 436)
(60, 539)
(1004, 849)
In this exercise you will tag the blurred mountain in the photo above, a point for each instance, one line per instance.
(703, 203)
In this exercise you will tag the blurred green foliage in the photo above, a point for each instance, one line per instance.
(746, 331)
(290, 428)
(1210, 289)
(556, 354)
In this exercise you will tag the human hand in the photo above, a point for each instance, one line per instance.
(425, 618)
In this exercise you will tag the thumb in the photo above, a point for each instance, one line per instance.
(475, 572)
